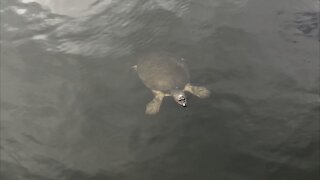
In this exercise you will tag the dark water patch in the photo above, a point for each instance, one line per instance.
(299, 24)
(12, 171)
(307, 22)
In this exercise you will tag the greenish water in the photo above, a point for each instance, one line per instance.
(72, 108)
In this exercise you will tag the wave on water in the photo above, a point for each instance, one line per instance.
(104, 28)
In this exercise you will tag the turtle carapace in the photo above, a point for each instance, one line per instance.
(166, 75)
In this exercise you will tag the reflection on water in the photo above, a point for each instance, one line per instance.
(72, 108)
(65, 7)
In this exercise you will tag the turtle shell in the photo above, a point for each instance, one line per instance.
(162, 71)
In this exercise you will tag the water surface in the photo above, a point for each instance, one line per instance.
(72, 108)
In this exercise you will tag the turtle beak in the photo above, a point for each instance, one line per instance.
(184, 104)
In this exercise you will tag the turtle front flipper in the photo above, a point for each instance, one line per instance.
(135, 67)
(153, 106)
(199, 91)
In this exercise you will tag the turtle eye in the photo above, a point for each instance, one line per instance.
(181, 98)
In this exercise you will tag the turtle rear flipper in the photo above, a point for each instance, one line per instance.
(153, 106)
(199, 91)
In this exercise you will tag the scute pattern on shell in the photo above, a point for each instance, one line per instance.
(162, 71)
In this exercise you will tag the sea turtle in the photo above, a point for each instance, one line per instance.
(166, 75)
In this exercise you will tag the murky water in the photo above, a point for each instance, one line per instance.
(73, 109)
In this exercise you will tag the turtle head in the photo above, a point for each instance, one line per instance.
(179, 97)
